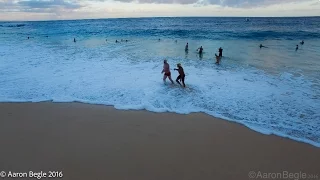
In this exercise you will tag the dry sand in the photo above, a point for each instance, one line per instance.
(94, 142)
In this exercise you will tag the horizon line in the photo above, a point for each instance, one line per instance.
(158, 17)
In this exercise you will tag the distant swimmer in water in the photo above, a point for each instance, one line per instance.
(187, 47)
(159, 39)
(126, 40)
(181, 75)
(200, 49)
(297, 47)
(117, 41)
(220, 52)
(166, 71)
(218, 59)
(74, 39)
(261, 46)
(28, 37)
(302, 42)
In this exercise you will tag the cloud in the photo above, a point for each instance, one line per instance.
(38, 5)
(161, 1)
(6, 4)
(250, 3)
(84, 9)
(225, 3)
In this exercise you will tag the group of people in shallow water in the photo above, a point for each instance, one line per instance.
(200, 50)
(297, 46)
(122, 40)
(181, 77)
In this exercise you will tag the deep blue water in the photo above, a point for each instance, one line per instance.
(192, 28)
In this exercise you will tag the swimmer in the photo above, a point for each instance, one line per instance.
(181, 75)
(187, 47)
(297, 47)
(220, 52)
(261, 46)
(302, 42)
(74, 39)
(200, 50)
(166, 71)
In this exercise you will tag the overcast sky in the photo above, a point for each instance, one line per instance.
(87, 9)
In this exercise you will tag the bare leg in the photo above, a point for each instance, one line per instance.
(171, 79)
(164, 78)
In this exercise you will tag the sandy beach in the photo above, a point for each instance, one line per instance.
(99, 142)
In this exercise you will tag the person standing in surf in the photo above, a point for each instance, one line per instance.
(187, 47)
(166, 71)
(200, 49)
(218, 59)
(181, 75)
(220, 52)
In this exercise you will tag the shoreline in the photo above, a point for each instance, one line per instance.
(87, 141)
(263, 132)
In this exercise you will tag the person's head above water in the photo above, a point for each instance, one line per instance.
(165, 61)
(178, 65)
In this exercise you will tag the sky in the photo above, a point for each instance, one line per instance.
(91, 9)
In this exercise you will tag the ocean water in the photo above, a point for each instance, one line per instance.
(274, 90)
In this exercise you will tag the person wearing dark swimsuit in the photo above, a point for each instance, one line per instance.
(220, 52)
(181, 75)
(200, 50)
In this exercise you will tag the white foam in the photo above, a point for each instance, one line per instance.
(128, 77)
